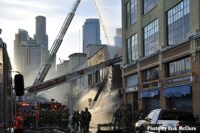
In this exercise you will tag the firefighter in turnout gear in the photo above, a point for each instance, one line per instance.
(118, 119)
(65, 118)
(87, 119)
(18, 125)
(75, 120)
(82, 122)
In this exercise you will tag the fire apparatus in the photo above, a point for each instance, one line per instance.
(29, 112)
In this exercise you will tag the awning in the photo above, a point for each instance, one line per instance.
(150, 93)
(177, 91)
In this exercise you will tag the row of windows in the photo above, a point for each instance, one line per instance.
(179, 67)
(175, 68)
(131, 10)
(178, 30)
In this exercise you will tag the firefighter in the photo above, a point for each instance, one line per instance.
(82, 121)
(65, 118)
(75, 120)
(118, 118)
(127, 119)
(87, 118)
(18, 125)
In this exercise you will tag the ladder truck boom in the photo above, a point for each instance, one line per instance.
(70, 76)
(56, 44)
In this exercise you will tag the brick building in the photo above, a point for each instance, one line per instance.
(161, 43)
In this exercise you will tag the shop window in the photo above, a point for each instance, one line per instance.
(151, 74)
(179, 67)
(132, 80)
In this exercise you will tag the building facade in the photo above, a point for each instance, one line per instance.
(6, 91)
(161, 54)
(91, 33)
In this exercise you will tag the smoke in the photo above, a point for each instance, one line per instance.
(108, 9)
(104, 108)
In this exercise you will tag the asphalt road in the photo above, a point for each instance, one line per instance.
(46, 130)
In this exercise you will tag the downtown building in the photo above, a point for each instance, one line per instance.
(161, 57)
(91, 33)
(30, 54)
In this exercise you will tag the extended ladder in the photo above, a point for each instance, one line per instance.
(56, 44)
(70, 76)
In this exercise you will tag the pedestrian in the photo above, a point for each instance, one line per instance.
(87, 117)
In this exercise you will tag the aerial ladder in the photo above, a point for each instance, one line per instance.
(56, 44)
(73, 75)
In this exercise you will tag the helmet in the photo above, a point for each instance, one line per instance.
(86, 108)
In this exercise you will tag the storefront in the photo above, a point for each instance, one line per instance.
(179, 97)
(151, 99)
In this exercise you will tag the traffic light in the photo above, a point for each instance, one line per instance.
(19, 84)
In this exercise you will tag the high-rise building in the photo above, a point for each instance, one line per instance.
(40, 35)
(160, 42)
(30, 54)
(118, 38)
(91, 33)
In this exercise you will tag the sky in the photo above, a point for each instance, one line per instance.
(20, 14)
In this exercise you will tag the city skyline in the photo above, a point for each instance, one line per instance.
(23, 13)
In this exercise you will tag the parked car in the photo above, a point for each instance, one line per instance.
(165, 120)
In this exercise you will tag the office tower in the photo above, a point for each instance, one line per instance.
(40, 35)
(91, 33)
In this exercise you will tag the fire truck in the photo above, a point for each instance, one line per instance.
(29, 113)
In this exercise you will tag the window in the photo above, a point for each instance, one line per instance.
(179, 67)
(128, 14)
(151, 38)
(132, 80)
(151, 74)
(132, 43)
(131, 12)
(148, 5)
(178, 22)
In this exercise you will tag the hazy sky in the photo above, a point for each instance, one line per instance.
(20, 14)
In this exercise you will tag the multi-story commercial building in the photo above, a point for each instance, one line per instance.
(6, 91)
(91, 33)
(161, 43)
